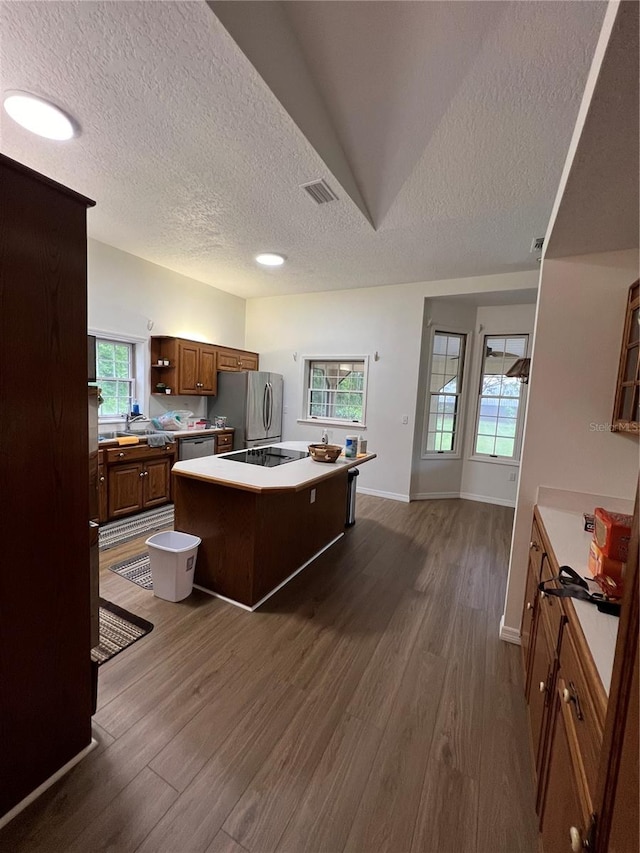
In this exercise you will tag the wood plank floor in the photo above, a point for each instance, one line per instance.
(369, 706)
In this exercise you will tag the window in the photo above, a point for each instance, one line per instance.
(500, 403)
(116, 377)
(335, 390)
(445, 388)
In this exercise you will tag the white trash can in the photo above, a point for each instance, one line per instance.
(172, 558)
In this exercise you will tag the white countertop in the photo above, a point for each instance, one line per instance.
(570, 543)
(293, 476)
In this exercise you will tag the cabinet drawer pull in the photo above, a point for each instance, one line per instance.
(577, 844)
(569, 695)
(121, 454)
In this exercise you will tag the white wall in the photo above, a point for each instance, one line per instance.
(485, 480)
(360, 322)
(568, 446)
(126, 292)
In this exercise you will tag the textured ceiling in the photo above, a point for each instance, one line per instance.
(599, 207)
(443, 127)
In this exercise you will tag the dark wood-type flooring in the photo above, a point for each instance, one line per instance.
(368, 707)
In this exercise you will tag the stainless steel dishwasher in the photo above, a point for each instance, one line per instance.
(196, 446)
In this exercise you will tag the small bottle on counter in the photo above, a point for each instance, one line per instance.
(325, 436)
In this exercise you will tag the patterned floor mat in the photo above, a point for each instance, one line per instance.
(136, 569)
(118, 630)
(117, 532)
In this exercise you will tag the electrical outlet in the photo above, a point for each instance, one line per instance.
(312, 497)
(405, 419)
(285, 410)
(512, 477)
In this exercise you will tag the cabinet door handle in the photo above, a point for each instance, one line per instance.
(534, 546)
(577, 844)
(102, 479)
(543, 595)
(542, 687)
(569, 695)
(529, 605)
(141, 474)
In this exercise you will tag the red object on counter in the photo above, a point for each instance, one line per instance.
(607, 573)
(612, 533)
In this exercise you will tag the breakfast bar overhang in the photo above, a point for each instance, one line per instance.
(259, 526)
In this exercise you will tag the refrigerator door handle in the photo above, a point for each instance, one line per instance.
(264, 406)
(270, 406)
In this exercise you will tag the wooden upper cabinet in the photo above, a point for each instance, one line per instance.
(188, 368)
(207, 373)
(184, 367)
(626, 409)
(236, 359)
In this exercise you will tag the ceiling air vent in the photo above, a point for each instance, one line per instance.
(536, 244)
(320, 191)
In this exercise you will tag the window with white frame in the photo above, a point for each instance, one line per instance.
(500, 405)
(443, 403)
(115, 373)
(335, 390)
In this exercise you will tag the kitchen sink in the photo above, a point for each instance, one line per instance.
(141, 433)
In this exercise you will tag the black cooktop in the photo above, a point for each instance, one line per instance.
(267, 457)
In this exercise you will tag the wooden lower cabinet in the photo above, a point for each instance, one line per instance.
(138, 478)
(224, 442)
(564, 822)
(572, 720)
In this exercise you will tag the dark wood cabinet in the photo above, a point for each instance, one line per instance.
(138, 478)
(626, 409)
(45, 625)
(103, 505)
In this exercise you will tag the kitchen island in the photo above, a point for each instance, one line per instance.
(259, 525)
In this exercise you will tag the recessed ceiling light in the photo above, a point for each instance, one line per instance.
(39, 116)
(270, 259)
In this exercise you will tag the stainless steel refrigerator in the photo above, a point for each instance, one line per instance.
(251, 401)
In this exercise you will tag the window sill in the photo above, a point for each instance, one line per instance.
(444, 455)
(328, 423)
(514, 463)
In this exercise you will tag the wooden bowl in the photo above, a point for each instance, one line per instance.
(325, 452)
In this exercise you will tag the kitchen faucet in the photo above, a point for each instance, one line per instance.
(131, 419)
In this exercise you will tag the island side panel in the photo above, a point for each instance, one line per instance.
(225, 519)
(291, 529)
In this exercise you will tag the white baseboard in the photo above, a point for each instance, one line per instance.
(509, 635)
(487, 500)
(4, 820)
(465, 496)
(434, 496)
(392, 496)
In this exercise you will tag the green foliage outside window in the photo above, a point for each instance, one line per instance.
(115, 377)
